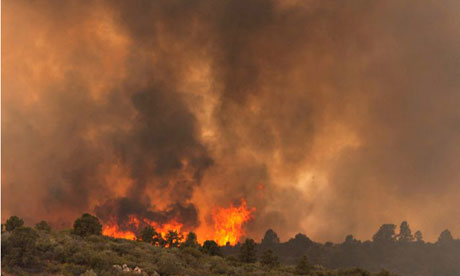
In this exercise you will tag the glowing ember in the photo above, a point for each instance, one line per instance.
(228, 223)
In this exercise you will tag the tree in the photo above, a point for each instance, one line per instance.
(270, 239)
(173, 239)
(303, 267)
(248, 251)
(269, 259)
(43, 226)
(148, 234)
(191, 240)
(13, 222)
(418, 236)
(87, 225)
(445, 237)
(405, 234)
(21, 247)
(210, 247)
(386, 233)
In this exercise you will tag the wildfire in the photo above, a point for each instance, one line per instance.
(112, 229)
(228, 223)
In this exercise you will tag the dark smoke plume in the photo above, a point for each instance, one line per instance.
(329, 117)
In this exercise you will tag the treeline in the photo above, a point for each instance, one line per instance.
(83, 250)
(404, 253)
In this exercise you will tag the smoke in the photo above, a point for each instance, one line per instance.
(329, 118)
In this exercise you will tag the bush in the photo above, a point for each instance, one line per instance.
(269, 259)
(168, 264)
(21, 247)
(210, 247)
(87, 225)
(303, 267)
(43, 226)
(12, 223)
(248, 252)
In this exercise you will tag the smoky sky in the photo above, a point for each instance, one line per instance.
(328, 117)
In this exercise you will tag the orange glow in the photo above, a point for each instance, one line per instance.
(228, 223)
(114, 231)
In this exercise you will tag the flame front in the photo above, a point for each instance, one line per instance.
(228, 223)
(112, 229)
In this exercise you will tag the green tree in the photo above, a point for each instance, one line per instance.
(191, 240)
(386, 233)
(87, 225)
(303, 267)
(405, 234)
(248, 251)
(173, 239)
(43, 226)
(148, 234)
(445, 237)
(210, 247)
(13, 222)
(20, 247)
(418, 236)
(270, 239)
(269, 259)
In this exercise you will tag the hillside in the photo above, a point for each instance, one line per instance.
(42, 251)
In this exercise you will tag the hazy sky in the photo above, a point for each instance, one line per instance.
(328, 117)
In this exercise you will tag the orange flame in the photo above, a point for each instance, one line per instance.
(113, 230)
(228, 223)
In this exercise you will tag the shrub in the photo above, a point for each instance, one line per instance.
(12, 223)
(248, 251)
(210, 247)
(87, 225)
(21, 247)
(43, 226)
(269, 259)
(89, 273)
(168, 264)
(303, 267)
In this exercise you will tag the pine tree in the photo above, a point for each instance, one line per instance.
(418, 236)
(248, 251)
(303, 267)
(405, 234)
(269, 259)
(191, 240)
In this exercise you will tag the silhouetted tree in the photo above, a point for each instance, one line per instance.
(210, 247)
(148, 234)
(87, 225)
(248, 251)
(173, 239)
(418, 236)
(303, 267)
(270, 239)
(191, 240)
(269, 259)
(386, 233)
(43, 226)
(445, 237)
(20, 247)
(12, 223)
(405, 234)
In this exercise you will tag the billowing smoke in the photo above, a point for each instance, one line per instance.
(328, 117)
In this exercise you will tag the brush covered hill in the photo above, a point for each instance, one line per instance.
(83, 251)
